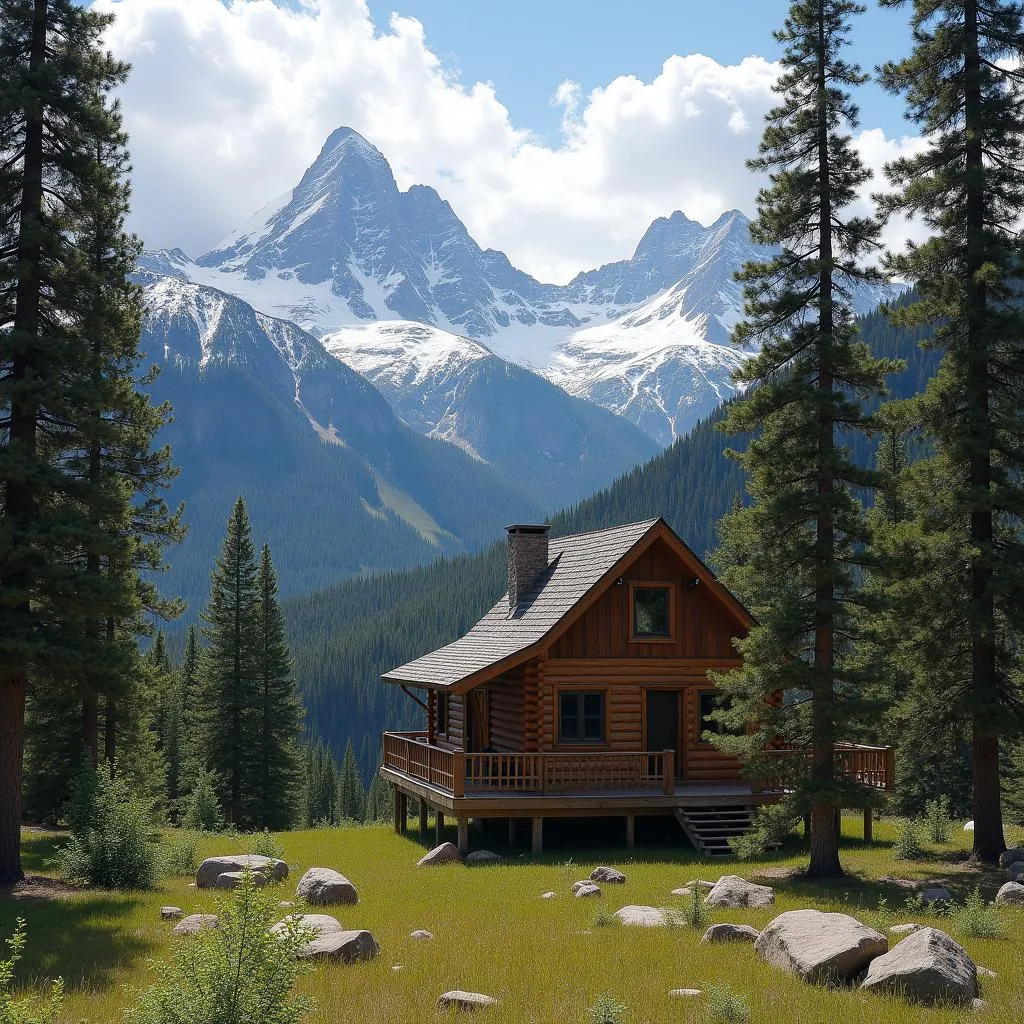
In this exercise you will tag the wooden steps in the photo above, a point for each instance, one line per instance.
(711, 828)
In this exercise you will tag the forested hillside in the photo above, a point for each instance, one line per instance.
(344, 637)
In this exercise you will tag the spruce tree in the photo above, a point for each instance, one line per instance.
(274, 785)
(379, 799)
(321, 787)
(967, 186)
(351, 795)
(230, 670)
(794, 555)
(189, 732)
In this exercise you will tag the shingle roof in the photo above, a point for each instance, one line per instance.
(576, 564)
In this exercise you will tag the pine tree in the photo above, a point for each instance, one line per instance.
(968, 188)
(379, 799)
(794, 554)
(321, 787)
(189, 732)
(351, 795)
(229, 668)
(274, 785)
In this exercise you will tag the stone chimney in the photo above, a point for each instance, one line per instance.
(527, 560)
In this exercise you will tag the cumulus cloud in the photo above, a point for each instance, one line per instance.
(229, 102)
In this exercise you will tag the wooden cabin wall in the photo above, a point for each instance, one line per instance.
(454, 739)
(506, 711)
(701, 628)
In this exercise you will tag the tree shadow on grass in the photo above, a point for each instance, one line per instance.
(85, 938)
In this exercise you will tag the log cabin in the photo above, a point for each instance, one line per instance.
(584, 692)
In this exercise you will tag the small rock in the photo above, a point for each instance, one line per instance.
(233, 879)
(396, 967)
(325, 887)
(585, 891)
(607, 875)
(345, 947)
(731, 933)
(549, 895)
(171, 913)
(984, 972)
(446, 853)
(936, 894)
(213, 867)
(285, 904)
(482, 857)
(458, 1000)
(979, 1005)
(1015, 870)
(733, 891)
(904, 929)
(196, 923)
(1008, 857)
(1011, 893)
(640, 917)
(421, 935)
(969, 826)
(685, 993)
(926, 967)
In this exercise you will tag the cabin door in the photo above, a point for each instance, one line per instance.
(663, 725)
(477, 720)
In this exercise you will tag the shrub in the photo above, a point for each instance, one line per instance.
(606, 1010)
(690, 912)
(28, 1010)
(238, 973)
(110, 845)
(772, 824)
(202, 810)
(724, 1006)
(604, 918)
(179, 855)
(266, 845)
(977, 919)
(937, 820)
(908, 844)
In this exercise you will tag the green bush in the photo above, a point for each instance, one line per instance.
(607, 1010)
(604, 918)
(28, 1010)
(771, 825)
(179, 855)
(202, 809)
(724, 1006)
(978, 919)
(265, 844)
(936, 818)
(110, 845)
(691, 911)
(908, 845)
(237, 973)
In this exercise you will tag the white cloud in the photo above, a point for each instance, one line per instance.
(229, 102)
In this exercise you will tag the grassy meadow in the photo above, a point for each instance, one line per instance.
(546, 960)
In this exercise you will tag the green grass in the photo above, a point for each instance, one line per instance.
(544, 959)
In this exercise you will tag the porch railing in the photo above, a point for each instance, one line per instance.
(874, 767)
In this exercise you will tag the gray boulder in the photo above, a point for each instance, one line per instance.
(607, 875)
(732, 891)
(421, 935)
(446, 853)
(458, 1000)
(319, 924)
(903, 929)
(936, 894)
(1015, 870)
(171, 913)
(819, 947)
(641, 917)
(718, 933)
(926, 967)
(324, 887)
(346, 947)
(213, 867)
(233, 879)
(482, 857)
(585, 891)
(549, 895)
(1008, 857)
(196, 923)
(1011, 893)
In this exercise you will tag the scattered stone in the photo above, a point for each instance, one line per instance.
(446, 853)
(904, 929)
(979, 1005)
(285, 904)
(396, 967)
(482, 857)
(421, 935)
(549, 895)
(324, 887)
(820, 947)
(1015, 870)
(926, 967)
(233, 879)
(695, 883)
(1008, 857)
(171, 913)
(984, 972)
(458, 1000)
(321, 924)
(213, 867)
(1011, 893)
(718, 933)
(607, 875)
(345, 947)
(196, 923)
(585, 891)
(936, 894)
(685, 993)
(640, 917)
(732, 891)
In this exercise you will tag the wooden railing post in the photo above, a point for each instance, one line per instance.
(668, 769)
(458, 774)
(890, 768)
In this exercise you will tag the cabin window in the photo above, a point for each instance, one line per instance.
(442, 714)
(709, 703)
(581, 718)
(652, 613)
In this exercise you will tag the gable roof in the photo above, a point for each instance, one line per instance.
(577, 564)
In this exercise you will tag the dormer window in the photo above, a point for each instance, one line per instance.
(651, 612)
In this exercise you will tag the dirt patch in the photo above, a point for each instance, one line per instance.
(39, 887)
